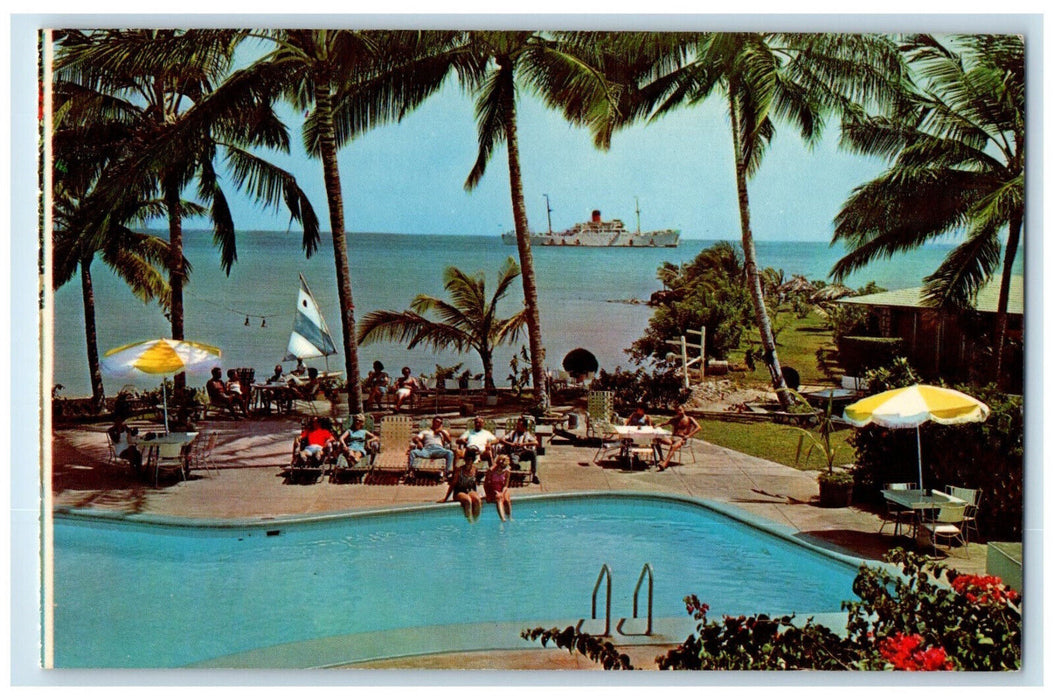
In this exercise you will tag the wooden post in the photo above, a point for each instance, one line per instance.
(684, 363)
(702, 353)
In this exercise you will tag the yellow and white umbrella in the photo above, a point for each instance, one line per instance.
(162, 356)
(911, 406)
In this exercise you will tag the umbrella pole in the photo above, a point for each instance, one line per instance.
(164, 402)
(918, 445)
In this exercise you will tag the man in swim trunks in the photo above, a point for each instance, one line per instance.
(683, 427)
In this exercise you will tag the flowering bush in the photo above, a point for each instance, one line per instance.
(905, 652)
(907, 620)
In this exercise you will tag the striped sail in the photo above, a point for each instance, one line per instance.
(310, 336)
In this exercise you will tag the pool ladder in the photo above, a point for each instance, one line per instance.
(605, 574)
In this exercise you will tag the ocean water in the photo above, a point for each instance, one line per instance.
(584, 297)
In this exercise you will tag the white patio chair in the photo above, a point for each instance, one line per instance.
(947, 524)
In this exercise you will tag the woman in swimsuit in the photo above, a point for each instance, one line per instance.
(462, 486)
(496, 486)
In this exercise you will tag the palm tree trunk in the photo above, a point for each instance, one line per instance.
(1012, 241)
(176, 273)
(331, 176)
(761, 315)
(523, 245)
(487, 358)
(91, 337)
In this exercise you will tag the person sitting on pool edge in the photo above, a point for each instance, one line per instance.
(477, 441)
(462, 486)
(496, 486)
(684, 427)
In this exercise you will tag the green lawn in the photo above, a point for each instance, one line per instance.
(772, 441)
(796, 346)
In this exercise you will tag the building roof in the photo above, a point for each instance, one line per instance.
(987, 297)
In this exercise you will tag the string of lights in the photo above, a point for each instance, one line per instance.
(238, 312)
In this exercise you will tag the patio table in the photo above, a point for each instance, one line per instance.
(639, 440)
(264, 394)
(919, 501)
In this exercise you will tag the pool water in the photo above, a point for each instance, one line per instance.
(148, 595)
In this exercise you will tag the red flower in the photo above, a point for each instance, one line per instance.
(905, 653)
(984, 589)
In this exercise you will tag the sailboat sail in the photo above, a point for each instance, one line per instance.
(310, 336)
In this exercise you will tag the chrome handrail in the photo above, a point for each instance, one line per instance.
(604, 570)
(651, 583)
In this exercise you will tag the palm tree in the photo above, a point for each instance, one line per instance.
(763, 77)
(957, 157)
(165, 86)
(468, 321)
(553, 68)
(351, 81)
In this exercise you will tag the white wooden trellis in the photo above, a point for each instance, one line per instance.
(682, 344)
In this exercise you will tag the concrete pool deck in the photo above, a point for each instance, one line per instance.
(247, 484)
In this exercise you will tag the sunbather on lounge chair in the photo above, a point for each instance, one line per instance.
(433, 443)
(316, 441)
(477, 441)
(356, 441)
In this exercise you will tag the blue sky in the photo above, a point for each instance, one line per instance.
(408, 177)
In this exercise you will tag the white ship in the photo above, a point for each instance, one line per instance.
(598, 233)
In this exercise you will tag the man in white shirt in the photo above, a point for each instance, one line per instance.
(476, 442)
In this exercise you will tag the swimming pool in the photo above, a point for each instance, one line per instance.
(164, 594)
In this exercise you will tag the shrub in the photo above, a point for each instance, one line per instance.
(659, 390)
(857, 354)
(904, 620)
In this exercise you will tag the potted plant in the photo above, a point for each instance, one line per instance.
(836, 486)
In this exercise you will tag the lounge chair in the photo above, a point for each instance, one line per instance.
(391, 462)
(307, 470)
(600, 423)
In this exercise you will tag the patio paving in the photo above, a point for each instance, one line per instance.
(250, 454)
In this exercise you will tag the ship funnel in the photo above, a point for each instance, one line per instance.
(596, 216)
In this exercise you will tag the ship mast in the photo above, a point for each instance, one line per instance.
(637, 200)
(548, 212)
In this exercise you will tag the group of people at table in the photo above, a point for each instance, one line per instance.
(318, 443)
(682, 427)
(236, 398)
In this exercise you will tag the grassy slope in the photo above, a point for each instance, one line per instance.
(796, 345)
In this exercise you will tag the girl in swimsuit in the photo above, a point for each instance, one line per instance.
(496, 486)
(462, 486)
